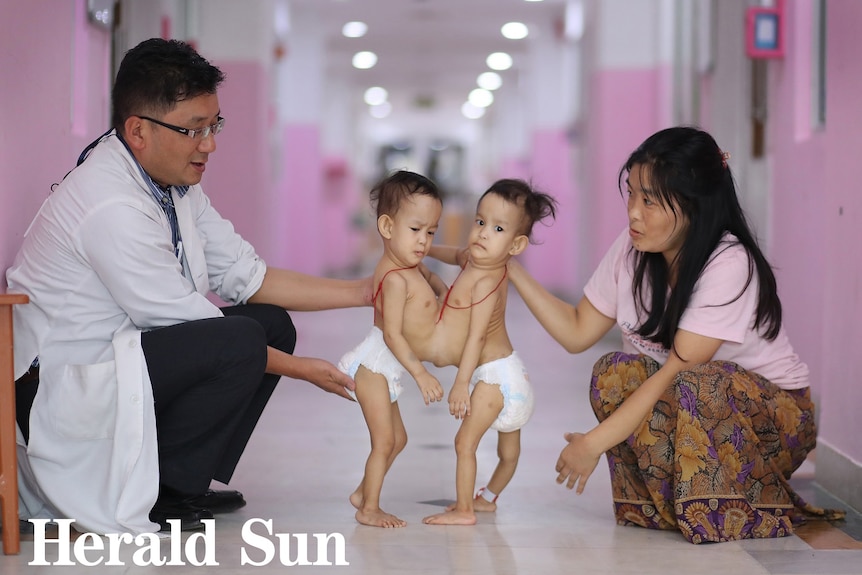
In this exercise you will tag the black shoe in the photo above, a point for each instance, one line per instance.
(190, 516)
(218, 501)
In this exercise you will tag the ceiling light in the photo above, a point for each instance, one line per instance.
(380, 110)
(281, 20)
(574, 19)
(375, 95)
(364, 60)
(354, 29)
(481, 98)
(472, 112)
(499, 61)
(489, 80)
(514, 30)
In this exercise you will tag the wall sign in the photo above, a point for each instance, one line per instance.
(764, 34)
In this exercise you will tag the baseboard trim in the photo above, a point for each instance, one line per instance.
(839, 475)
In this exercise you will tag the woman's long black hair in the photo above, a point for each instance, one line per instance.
(686, 170)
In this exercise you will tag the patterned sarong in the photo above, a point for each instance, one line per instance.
(714, 456)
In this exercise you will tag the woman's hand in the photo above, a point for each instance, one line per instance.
(577, 461)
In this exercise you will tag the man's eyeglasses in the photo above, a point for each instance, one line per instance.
(193, 134)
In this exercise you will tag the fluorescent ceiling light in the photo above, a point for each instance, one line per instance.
(480, 98)
(354, 29)
(472, 112)
(375, 95)
(489, 80)
(499, 61)
(514, 30)
(364, 60)
(574, 19)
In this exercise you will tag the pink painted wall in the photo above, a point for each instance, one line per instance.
(796, 199)
(839, 236)
(556, 240)
(238, 177)
(514, 167)
(815, 214)
(798, 234)
(342, 202)
(299, 201)
(46, 118)
(622, 111)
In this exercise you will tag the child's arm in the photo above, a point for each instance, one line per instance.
(452, 255)
(480, 317)
(437, 284)
(395, 288)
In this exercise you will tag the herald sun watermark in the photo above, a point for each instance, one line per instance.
(262, 546)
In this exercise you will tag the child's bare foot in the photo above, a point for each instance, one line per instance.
(479, 504)
(378, 518)
(356, 498)
(483, 505)
(451, 518)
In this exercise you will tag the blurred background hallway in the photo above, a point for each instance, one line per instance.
(324, 96)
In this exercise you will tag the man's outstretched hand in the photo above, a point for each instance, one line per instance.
(311, 369)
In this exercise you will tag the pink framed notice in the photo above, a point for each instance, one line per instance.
(764, 36)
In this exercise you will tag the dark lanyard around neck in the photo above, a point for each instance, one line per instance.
(162, 196)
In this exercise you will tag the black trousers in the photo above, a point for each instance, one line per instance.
(210, 389)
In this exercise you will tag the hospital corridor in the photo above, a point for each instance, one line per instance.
(316, 102)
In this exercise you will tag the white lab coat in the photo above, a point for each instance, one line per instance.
(99, 267)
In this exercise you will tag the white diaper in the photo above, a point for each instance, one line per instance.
(509, 373)
(374, 356)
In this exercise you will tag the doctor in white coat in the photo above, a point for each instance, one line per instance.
(147, 390)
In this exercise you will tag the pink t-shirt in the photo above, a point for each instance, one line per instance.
(714, 310)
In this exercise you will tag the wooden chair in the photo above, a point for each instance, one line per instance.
(8, 458)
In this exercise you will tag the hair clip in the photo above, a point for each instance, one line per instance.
(725, 156)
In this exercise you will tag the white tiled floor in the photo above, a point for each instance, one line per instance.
(308, 453)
